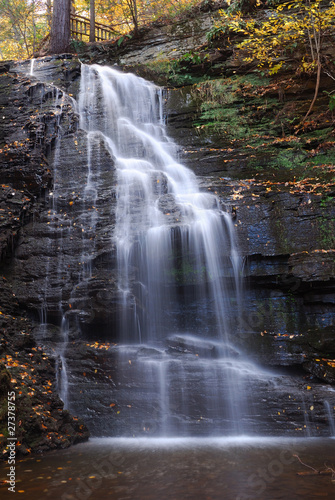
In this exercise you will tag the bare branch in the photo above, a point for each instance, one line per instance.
(302, 463)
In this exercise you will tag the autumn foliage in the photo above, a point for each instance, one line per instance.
(298, 32)
(25, 23)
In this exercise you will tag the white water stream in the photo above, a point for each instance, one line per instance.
(160, 210)
(175, 248)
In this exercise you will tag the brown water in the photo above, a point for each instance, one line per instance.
(168, 469)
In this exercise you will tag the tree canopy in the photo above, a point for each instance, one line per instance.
(25, 23)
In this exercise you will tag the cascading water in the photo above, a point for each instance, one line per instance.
(167, 231)
(178, 268)
(32, 62)
(55, 221)
(128, 208)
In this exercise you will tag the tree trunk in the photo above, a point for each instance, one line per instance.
(92, 20)
(49, 13)
(34, 25)
(135, 16)
(132, 4)
(317, 86)
(60, 31)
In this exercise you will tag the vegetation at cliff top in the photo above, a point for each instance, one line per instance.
(245, 113)
(24, 24)
(281, 41)
(298, 30)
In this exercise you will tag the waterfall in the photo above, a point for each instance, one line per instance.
(143, 281)
(330, 416)
(32, 62)
(57, 232)
(175, 251)
(168, 233)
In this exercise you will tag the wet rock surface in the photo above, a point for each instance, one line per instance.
(15, 207)
(61, 71)
(65, 255)
(285, 230)
(193, 345)
(28, 130)
(129, 401)
(285, 233)
(28, 374)
(167, 40)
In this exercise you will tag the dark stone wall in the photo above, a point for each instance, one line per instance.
(28, 129)
(285, 232)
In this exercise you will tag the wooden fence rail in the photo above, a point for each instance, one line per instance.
(80, 29)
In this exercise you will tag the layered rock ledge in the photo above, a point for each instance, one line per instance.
(28, 130)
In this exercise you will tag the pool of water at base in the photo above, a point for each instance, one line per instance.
(179, 469)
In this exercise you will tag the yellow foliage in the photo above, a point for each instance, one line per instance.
(119, 14)
(294, 30)
(22, 25)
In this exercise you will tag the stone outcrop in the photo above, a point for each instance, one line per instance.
(41, 423)
(28, 130)
(161, 41)
(285, 230)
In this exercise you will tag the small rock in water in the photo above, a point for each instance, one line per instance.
(200, 347)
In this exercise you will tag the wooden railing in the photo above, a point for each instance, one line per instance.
(80, 29)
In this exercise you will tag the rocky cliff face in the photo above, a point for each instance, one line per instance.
(285, 228)
(57, 271)
(285, 220)
(161, 41)
(28, 131)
